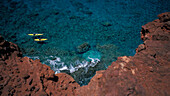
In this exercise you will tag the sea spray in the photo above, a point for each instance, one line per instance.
(59, 66)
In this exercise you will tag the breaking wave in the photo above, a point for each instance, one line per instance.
(59, 66)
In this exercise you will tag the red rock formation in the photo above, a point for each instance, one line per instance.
(145, 74)
(21, 76)
(8, 49)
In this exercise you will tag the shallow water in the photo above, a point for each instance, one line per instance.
(83, 35)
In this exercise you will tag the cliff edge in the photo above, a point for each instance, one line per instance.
(22, 76)
(147, 73)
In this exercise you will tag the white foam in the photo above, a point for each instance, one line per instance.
(58, 59)
(63, 68)
(33, 57)
(94, 61)
(56, 72)
(72, 69)
(58, 66)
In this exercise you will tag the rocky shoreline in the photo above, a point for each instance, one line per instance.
(147, 73)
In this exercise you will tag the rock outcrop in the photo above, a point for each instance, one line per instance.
(83, 48)
(21, 76)
(147, 73)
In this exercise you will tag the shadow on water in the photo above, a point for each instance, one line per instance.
(40, 37)
(42, 42)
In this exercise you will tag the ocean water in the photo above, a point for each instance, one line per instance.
(84, 36)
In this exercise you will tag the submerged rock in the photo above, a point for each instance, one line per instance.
(83, 48)
(106, 24)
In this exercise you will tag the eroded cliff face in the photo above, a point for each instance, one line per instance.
(21, 76)
(145, 74)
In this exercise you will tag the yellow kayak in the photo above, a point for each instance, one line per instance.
(42, 39)
(35, 34)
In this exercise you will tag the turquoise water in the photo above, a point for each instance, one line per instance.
(83, 35)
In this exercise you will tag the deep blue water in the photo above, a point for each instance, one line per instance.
(107, 28)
